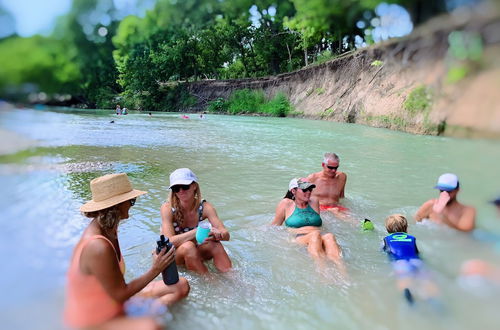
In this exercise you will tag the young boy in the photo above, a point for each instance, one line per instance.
(403, 252)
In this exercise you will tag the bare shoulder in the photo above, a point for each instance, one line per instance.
(470, 209)
(165, 207)
(97, 248)
(285, 202)
(313, 177)
(208, 207)
(342, 175)
(425, 209)
(166, 211)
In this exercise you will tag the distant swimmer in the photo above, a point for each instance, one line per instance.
(112, 122)
(150, 115)
(124, 111)
(118, 110)
(184, 117)
(330, 184)
(446, 209)
(402, 250)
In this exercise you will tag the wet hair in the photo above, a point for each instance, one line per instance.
(331, 156)
(107, 218)
(396, 223)
(176, 203)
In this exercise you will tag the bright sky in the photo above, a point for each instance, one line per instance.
(35, 16)
(38, 16)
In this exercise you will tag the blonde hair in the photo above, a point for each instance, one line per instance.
(107, 218)
(176, 203)
(396, 223)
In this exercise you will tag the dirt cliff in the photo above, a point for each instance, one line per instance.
(444, 78)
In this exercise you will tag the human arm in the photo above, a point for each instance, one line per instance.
(219, 231)
(167, 227)
(424, 211)
(343, 181)
(279, 216)
(98, 258)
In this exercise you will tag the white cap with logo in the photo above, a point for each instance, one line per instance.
(182, 176)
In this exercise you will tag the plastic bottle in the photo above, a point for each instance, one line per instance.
(170, 274)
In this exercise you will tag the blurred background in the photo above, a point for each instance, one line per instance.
(95, 53)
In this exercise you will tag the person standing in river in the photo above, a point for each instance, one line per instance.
(447, 209)
(330, 184)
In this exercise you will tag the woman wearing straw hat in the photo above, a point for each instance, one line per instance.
(180, 218)
(96, 290)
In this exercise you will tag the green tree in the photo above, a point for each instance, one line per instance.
(89, 28)
(41, 61)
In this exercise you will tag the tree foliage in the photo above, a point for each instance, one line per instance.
(142, 61)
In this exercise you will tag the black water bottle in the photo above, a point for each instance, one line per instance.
(170, 274)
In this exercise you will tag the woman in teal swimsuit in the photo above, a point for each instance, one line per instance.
(300, 212)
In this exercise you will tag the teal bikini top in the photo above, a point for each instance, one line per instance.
(303, 217)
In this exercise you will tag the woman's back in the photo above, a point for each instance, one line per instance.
(87, 302)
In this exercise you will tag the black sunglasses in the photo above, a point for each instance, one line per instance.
(178, 187)
(307, 189)
(333, 167)
(132, 201)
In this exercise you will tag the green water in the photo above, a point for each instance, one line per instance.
(244, 165)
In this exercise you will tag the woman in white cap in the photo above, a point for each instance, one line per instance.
(299, 211)
(180, 218)
(96, 289)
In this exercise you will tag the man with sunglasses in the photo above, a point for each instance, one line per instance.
(330, 184)
(447, 209)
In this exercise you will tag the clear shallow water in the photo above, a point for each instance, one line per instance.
(244, 165)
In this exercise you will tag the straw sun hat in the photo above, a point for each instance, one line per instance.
(109, 190)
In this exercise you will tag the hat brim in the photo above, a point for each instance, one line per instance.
(307, 185)
(496, 202)
(181, 182)
(445, 188)
(92, 206)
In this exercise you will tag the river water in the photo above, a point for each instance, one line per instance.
(244, 165)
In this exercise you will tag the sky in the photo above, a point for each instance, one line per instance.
(35, 16)
(38, 16)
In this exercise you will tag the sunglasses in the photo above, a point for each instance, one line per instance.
(307, 189)
(178, 187)
(332, 167)
(132, 201)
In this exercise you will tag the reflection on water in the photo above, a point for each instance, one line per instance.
(244, 165)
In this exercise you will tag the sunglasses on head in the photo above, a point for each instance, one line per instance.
(132, 201)
(178, 187)
(332, 167)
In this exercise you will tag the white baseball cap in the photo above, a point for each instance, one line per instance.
(447, 182)
(182, 176)
(300, 183)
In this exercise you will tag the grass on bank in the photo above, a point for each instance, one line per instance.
(247, 101)
(419, 100)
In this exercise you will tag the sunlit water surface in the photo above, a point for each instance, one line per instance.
(244, 165)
